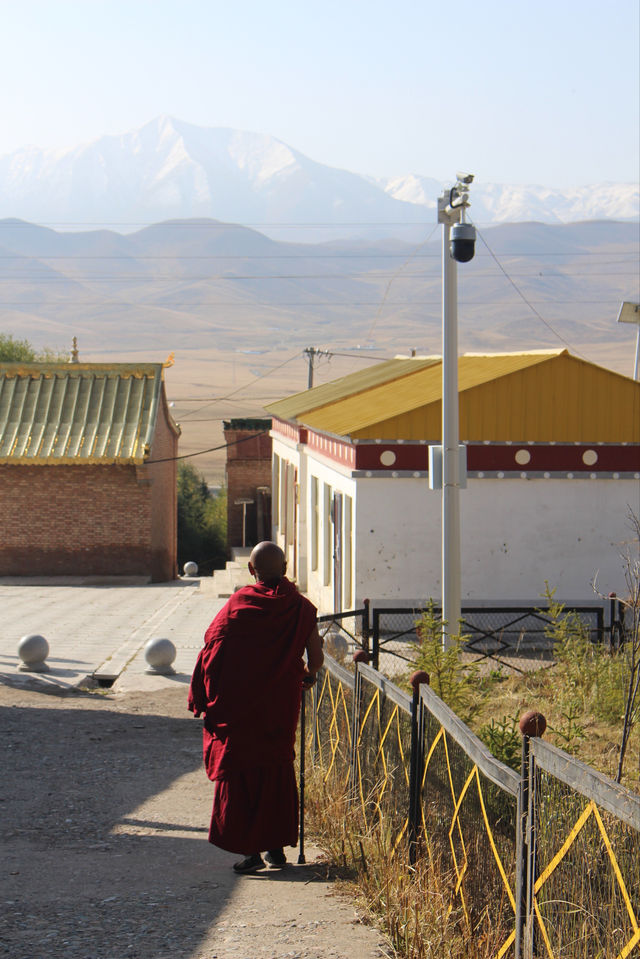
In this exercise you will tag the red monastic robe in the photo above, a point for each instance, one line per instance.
(248, 683)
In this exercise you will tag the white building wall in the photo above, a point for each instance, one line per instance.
(286, 455)
(515, 535)
(320, 581)
(397, 541)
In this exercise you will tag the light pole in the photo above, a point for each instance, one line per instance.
(458, 245)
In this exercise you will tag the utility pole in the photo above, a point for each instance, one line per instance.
(311, 353)
(458, 245)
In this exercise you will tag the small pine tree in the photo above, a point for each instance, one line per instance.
(201, 522)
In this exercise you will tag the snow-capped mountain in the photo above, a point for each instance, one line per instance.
(169, 168)
(499, 203)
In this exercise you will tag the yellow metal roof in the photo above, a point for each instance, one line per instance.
(541, 396)
(293, 407)
(77, 413)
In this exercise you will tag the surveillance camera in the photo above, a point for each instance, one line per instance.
(463, 242)
(465, 177)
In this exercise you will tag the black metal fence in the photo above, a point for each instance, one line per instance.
(346, 632)
(545, 863)
(505, 635)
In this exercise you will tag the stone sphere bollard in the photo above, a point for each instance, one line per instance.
(335, 644)
(33, 650)
(160, 654)
(190, 569)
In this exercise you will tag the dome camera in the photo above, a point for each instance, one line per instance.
(463, 242)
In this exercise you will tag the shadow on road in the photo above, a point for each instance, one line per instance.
(104, 824)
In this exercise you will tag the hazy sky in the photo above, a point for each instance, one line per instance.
(543, 92)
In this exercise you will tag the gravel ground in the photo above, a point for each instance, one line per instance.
(103, 819)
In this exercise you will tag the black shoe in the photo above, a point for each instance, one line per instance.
(276, 858)
(249, 864)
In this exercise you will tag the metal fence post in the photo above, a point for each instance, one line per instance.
(415, 762)
(359, 657)
(375, 645)
(314, 718)
(521, 851)
(620, 623)
(613, 619)
(532, 723)
(365, 626)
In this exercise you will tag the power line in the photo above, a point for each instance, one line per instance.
(134, 257)
(212, 449)
(276, 305)
(206, 224)
(219, 399)
(220, 277)
(528, 302)
(395, 276)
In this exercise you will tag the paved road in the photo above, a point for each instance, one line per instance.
(105, 802)
(102, 630)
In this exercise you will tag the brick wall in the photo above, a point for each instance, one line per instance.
(92, 519)
(248, 467)
(164, 497)
(73, 520)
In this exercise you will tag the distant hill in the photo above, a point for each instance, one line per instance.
(206, 284)
(172, 169)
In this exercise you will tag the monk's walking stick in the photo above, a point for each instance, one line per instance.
(301, 858)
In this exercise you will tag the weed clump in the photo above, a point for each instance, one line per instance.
(453, 680)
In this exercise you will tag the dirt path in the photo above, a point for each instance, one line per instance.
(104, 809)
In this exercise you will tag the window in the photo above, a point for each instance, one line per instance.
(315, 518)
(291, 504)
(283, 496)
(348, 552)
(275, 486)
(327, 527)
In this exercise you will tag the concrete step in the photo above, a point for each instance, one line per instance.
(225, 582)
(240, 554)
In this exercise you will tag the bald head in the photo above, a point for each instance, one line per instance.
(267, 561)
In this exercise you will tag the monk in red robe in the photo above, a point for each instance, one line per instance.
(248, 683)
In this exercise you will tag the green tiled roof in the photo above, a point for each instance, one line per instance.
(75, 413)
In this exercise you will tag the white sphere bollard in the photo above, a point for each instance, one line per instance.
(336, 644)
(33, 650)
(190, 569)
(160, 654)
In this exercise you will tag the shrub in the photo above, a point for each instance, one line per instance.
(453, 680)
(202, 522)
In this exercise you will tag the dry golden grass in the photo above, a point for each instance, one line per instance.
(412, 904)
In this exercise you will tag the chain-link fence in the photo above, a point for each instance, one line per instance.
(584, 869)
(331, 739)
(380, 773)
(545, 863)
(469, 804)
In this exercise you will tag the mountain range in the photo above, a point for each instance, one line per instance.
(170, 169)
(205, 284)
